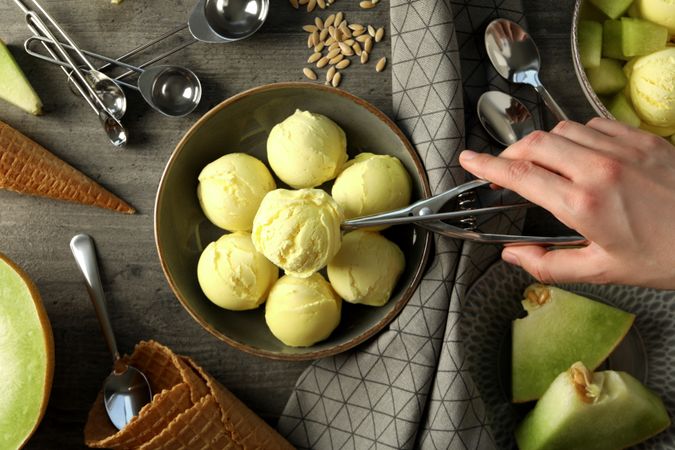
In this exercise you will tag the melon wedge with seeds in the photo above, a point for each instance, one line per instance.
(600, 411)
(560, 328)
(26, 355)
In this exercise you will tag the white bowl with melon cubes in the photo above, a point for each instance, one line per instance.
(624, 57)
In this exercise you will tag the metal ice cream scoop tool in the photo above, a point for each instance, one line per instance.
(126, 390)
(515, 56)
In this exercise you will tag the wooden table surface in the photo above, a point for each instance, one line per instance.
(36, 232)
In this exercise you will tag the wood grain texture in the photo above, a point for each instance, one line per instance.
(36, 232)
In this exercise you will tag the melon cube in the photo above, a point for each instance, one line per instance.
(590, 43)
(612, 39)
(607, 78)
(613, 8)
(623, 111)
(641, 37)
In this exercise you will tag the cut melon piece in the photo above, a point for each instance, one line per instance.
(559, 329)
(628, 67)
(590, 43)
(641, 37)
(634, 10)
(623, 111)
(601, 411)
(590, 12)
(14, 86)
(659, 131)
(27, 355)
(607, 78)
(613, 8)
(612, 33)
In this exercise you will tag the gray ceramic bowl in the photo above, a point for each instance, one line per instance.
(590, 94)
(241, 124)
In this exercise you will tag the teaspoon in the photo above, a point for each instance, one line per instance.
(515, 56)
(504, 117)
(126, 390)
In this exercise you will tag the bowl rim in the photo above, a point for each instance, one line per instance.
(423, 234)
(588, 91)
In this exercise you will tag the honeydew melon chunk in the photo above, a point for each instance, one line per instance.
(27, 355)
(613, 8)
(659, 131)
(590, 43)
(14, 86)
(641, 37)
(600, 411)
(623, 111)
(661, 12)
(607, 78)
(559, 329)
(612, 33)
(634, 10)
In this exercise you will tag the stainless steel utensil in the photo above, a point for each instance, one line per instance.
(504, 117)
(126, 390)
(425, 213)
(171, 90)
(515, 56)
(111, 95)
(114, 129)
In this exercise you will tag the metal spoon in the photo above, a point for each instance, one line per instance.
(172, 90)
(514, 55)
(504, 117)
(227, 20)
(126, 390)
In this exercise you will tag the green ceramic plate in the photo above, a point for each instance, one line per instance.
(242, 124)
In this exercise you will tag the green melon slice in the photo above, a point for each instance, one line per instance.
(14, 86)
(559, 329)
(641, 37)
(612, 38)
(613, 8)
(601, 411)
(590, 43)
(607, 78)
(623, 111)
(27, 355)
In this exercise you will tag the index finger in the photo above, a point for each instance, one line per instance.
(534, 183)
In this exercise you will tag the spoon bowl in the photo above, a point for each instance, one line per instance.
(235, 19)
(515, 57)
(126, 390)
(111, 94)
(171, 90)
(504, 117)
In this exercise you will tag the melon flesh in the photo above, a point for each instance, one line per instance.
(26, 355)
(560, 329)
(585, 411)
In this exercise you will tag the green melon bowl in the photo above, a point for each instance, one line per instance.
(242, 124)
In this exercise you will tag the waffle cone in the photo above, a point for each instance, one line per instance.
(191, 411)
(28, 168)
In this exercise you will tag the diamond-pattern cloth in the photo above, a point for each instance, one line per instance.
(408, 387)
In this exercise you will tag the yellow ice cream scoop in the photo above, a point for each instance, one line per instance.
(233, 275)
(302, 311)
(306, 149)
(661, 12)
(372, 184)
(298, 231)
(366, 268)
(231, 188)
(652, 88)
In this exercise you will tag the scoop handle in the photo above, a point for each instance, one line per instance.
(84, 251)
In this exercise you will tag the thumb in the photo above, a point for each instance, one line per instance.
(555, 266)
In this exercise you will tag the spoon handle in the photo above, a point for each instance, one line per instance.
(551, 103)
(82, 246)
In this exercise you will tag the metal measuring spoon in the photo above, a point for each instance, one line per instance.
(171, 90)
(126, 390)
(504, 117)
(227, 20)
(515, 56)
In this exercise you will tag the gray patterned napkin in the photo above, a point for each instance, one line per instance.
(408, 387)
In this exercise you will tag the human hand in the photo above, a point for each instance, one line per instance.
(613, 183)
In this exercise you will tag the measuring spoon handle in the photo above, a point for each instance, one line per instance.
(82, 246)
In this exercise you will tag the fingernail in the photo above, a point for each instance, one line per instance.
(510, 258)
(467, 155)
